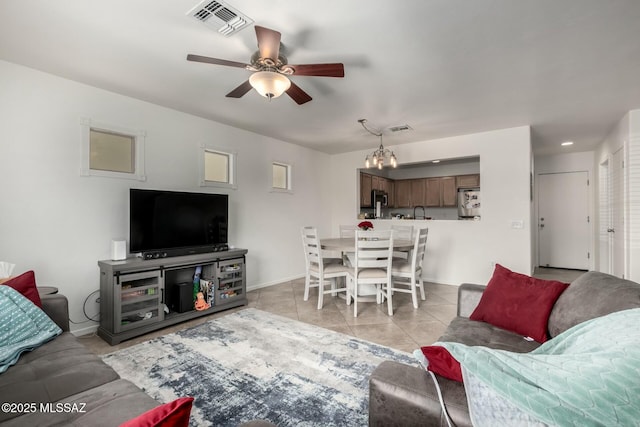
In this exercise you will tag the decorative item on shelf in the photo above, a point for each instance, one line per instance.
(378, 156)
(196, 281)
(206, 286)
(365, 225)
(200, 303)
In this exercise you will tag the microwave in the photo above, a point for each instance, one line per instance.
(379, 196)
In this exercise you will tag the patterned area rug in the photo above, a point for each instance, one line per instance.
(256, 365)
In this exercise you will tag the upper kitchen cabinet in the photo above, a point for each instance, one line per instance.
(403, 193)
(449, 191)
(441, 192)
(468, 181)
(365, 189)
(432, 190)
(391, 187)
(418, 192)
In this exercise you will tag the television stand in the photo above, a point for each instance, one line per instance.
(138, 296)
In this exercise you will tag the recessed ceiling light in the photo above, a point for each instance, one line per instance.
(567, 143)
(436, 161)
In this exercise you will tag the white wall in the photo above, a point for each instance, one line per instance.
(626, 135)
(60, 224)
(462, 251)
(570, 162)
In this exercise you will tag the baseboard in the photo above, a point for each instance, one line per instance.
(275, 282)
(84, 331)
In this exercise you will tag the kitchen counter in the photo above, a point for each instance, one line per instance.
(420, 219)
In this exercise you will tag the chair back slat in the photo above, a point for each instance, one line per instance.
(419, 248)
(312, 249)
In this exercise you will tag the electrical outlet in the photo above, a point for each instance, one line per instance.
(517, 223)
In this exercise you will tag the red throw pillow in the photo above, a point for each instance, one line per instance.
(518, 303)
(172, 414)
(26, 285)
(441, 362)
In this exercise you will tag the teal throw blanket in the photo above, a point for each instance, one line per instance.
(23, 326)
(587, 376)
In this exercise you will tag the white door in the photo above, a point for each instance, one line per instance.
(617, 214)
(563, 220)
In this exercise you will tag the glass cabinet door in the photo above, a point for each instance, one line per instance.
(139, 296)
(230, 280)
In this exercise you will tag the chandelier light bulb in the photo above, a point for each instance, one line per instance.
(366, 162)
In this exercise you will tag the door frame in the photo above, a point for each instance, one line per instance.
(605, 214)
(589, 214)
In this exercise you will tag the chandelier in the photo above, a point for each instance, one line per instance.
(378, 157)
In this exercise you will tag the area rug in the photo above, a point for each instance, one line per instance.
(255, 365)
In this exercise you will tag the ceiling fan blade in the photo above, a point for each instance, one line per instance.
(298, 94)
(216, 61)
(240, 90)
(322, 70)
(268, 42)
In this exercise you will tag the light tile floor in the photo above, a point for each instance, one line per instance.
(406, 330)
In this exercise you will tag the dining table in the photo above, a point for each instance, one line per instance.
(346, 245)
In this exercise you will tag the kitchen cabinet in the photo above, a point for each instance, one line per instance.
(441, 192)
(468, 181)
(417, 192)
(365, 189)
(391, 193)
(432, 189)
(375, 182)
(448, 192)
(403, 193)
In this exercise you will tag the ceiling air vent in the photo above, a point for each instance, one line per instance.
(220, 16)
(400, 128)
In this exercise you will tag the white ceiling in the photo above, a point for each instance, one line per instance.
(568, 68)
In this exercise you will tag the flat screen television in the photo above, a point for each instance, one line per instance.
(172, 223)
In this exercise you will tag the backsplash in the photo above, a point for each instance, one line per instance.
(433, 213)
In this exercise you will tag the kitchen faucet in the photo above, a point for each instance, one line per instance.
(414, 212)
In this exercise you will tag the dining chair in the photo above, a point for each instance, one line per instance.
(372, 265)
(402, 232)
(407, 274)
(321, 270)
(348, 231)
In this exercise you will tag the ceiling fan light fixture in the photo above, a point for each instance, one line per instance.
(269, 84)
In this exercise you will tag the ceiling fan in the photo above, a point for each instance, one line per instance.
(271, 69)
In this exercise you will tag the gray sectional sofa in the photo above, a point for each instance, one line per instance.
(65, 371)
(403, 395)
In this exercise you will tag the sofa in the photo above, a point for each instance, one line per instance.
(64, 371)
(61, 383)
(403, 395)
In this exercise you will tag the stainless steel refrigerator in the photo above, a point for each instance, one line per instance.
(468, 202)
